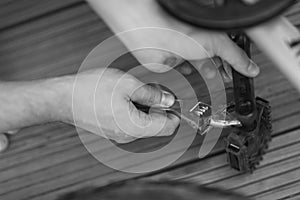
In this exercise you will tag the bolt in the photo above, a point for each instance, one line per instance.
(245, 108)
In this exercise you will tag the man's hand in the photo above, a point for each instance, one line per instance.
(102, 103)
(124, 15)
(105, 97)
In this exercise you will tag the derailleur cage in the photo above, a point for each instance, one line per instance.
(245, 149)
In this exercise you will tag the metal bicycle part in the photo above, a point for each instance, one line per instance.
(246, 145)
(245, 149)
(199, 116)
(225, 14)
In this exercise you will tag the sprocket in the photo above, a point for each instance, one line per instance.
(245, 149)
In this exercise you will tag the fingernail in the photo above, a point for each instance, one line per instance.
(253, 69)
(167, 99)
(12, 132)
(3, 142)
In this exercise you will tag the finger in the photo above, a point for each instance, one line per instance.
(149, 95)
(156, 123)
(208, 67)
(12, 132)
(235, 56)
(126, 140)
(170, 126)
(157, 60)
(3, 142)
(165, 124)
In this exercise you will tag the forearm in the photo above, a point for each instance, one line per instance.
(123, 15)
(29, 103)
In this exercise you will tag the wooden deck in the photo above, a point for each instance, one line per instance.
(43, 38)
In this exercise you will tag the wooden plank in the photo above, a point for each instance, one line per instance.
(199, 168)
(286, 160)
(37, 53)
(287, 192)
(282, 164)
(38, 136)
(37, 31)
(13, 12)
(41, 173)
(273, 183)
(92, 179)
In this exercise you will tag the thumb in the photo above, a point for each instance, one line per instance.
(153, 124)
(235, 56)
(152, 96)
(12, 132)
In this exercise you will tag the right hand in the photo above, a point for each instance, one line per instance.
(118, 118)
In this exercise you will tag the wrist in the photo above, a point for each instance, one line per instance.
(29, 103)
(138, 13)
(59, 91)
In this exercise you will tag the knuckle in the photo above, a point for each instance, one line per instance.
(155, 97)
(131, 83)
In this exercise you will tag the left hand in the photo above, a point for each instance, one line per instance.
(124, 15)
